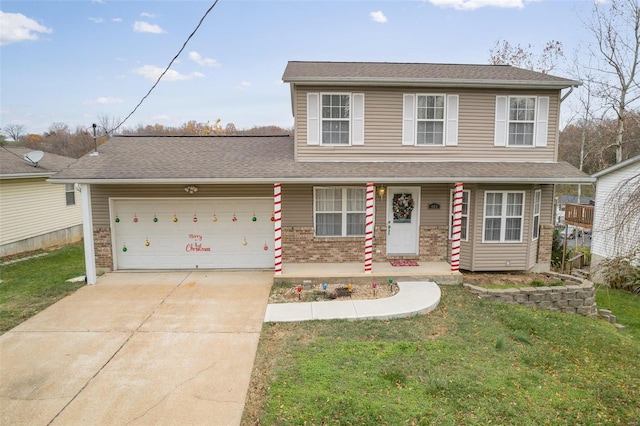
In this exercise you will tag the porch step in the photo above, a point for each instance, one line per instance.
(580, 273)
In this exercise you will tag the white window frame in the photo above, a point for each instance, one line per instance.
(503, 216)
(347, 120)
(465, 229)
(535, 223)
(443, 120)
(344, 212)
(70, 190)
(532, 122)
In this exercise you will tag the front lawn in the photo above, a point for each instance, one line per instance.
(624, 305)
(30, 286)
(470, 362)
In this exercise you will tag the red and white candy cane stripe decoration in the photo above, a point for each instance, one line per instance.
(457, 228)
(277, 230)
(368, 232)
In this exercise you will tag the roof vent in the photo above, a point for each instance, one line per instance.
(33, 157)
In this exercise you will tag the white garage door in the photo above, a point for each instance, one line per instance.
(192, 234)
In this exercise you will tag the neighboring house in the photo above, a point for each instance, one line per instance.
(370, 171)
(34, 214)
(562, 202)
(616, 224)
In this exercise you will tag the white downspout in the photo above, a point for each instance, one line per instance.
(87, 227)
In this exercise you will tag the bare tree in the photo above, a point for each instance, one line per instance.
(14, 132)
(616, 29)
(503, 53)
(107, 124)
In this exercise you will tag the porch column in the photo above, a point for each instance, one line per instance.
(368, 232)
(87, 229)
(457, 227)
(277, 227)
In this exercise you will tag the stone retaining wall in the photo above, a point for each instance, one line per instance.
(577, 297)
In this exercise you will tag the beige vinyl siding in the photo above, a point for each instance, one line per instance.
(297, 205)
(494, 256)
(383, 129)
(100, 194)
(33, 207)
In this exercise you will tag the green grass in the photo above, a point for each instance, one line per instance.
(469, 362)
(624, 305)
(31, 285)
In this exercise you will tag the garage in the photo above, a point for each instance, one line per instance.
(203, 233)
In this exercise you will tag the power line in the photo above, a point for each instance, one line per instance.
(184, 45)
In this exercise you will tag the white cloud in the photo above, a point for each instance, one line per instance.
(145, 27)
(96, 20)
(477, 4)
(151, 72)
(116, 20)
(200, 60)
(98, 1)
(245, 83)
(147, 15)
(378, 16)
(161, 117)
(15, 27)
(104, 100)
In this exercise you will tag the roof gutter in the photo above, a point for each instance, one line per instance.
(26, 175)
(332, 180)
(371, 81)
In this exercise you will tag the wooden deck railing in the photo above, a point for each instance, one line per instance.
(579, 215)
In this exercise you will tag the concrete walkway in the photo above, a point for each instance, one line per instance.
(414, 298)
(155, 348)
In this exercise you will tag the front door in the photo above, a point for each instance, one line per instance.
(403, 220)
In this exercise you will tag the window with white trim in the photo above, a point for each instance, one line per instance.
(335, 118)
(503, 216)
(522, 120)
(464, 232)
(70, 194)
(339, 211)
(430, 120)
(537, 199)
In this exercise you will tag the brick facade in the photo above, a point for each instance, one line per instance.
(544, 244)
(102, 246)
(299, 245)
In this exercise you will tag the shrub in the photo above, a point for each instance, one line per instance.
(556, 249)
(622, 272)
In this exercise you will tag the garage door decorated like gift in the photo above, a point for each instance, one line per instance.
(192, 234)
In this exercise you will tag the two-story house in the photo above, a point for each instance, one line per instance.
(379, 153)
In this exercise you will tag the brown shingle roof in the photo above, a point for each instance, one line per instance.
(12, 163)
(450, 75)
(270, 159)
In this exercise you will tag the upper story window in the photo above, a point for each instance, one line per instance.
(335, 119)
(430, 120)
(70, 194)
(522, 113)
(521, 121)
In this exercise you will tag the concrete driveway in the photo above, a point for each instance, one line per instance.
(137, 348)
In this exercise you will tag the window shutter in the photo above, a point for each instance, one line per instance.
(452, 121)
(500, 130)
(408, 119)
(357, 119)
(542, 121)
(313, 119)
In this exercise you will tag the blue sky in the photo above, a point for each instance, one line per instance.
(72, 61)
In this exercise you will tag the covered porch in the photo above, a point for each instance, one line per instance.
(352, 272)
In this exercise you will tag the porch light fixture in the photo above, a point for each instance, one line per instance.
(381, 191)
(191, 189)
